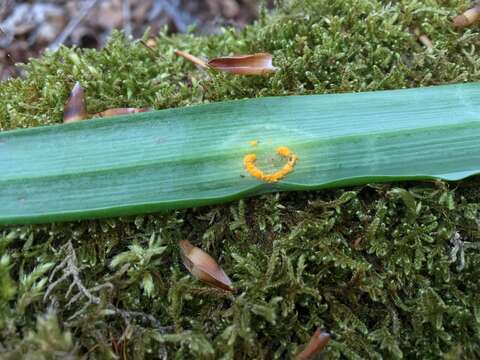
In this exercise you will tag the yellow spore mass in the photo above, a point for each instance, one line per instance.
(253, 143)
(250, 159)
(283, 151)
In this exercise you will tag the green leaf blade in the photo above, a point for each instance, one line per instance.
(194, 156)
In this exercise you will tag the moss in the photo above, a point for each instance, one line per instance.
(392, 270)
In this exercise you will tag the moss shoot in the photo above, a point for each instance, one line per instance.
(391, 270)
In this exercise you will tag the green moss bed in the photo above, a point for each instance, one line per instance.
(392, 270)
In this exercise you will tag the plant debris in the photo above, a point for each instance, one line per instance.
(423, 39)
(468, 17)
(317, 343)
(256, 64)
(193, 59)
(76, 108)
(203, 266)
(120, 111)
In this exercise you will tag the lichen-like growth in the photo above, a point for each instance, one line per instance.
(392, 270)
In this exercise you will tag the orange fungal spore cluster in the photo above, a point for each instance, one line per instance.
(250, 159)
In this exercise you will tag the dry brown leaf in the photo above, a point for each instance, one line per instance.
(121, 111)
(203, 266)
(317, 343)
(75, 108)
(256, 64)
(468, 18)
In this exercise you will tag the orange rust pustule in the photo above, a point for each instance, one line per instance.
(250, 159)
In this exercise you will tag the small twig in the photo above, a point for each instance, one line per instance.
(457, 243)
(70, 269)
(457, 252)
(93, 289)
(70, 288)
(155, 54)
(77, 313)
(62, 265)
(127, 315)
(127, 24)
(192, 58)
(72, 25)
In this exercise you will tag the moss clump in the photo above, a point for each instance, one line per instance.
(392, 270)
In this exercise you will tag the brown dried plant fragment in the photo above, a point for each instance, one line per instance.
(203, 266)
(192, 58)
(469, 17)
(121, 111)
(256, 64)
(75, 108)
(423, 39)
(317, 343)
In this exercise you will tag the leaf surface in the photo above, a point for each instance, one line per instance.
(193, 156)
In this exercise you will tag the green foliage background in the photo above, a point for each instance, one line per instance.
(392, 270)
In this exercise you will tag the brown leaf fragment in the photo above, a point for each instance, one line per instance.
(203, 266)
(423, 39)
(75, 108)
(469, 17)
(120, 111)
(317, 343)
(357, 242)
(256, 64)
(191, 58)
